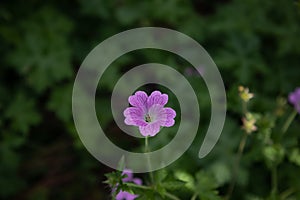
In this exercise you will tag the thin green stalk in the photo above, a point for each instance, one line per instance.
(194, 197)
(289, 121)
(274, 182)
(236, 165)
(284, 195)
(170, 196)
(238, 158)
(244, 107)
(139, 186)
(146, 144)
(148, 159)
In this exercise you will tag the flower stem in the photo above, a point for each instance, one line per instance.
(289, 121)
(287, 193)
(244, 107)
(274, 182)
(148, 159)
(236, 165)
(194, 197)
(171, 196)
(138, 186)
(146, 144)
(239, 156)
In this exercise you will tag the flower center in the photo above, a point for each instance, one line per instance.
(147, 118)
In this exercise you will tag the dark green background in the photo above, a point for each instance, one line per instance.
(254, 43)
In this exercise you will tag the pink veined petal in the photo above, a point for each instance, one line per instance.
(157, 98)
(169, 123)
(166, 117)
(133, 122)
(169, 112)
(139, 99)
(155, 111)
(133, 112)
(150, 130)
(134, 116)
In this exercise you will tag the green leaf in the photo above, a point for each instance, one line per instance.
(172, 183)
(274, 154)
(10, 160)
(221, 172)
(43, 56)
(22, 113)
(206, 186)
(161, 190)
(114, 178)
(60, 102)
(294, 156)
(160, 175)
(265, 125)
(187, 178)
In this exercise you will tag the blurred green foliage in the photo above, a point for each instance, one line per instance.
(254, 43)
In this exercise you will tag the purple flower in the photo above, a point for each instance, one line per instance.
(126, 196)
(294, 98)
(123, 195)
(130, 177)
(148, 113)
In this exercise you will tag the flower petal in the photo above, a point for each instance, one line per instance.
(297, 94)
(155, 111)
(292, 98)
(137, 181)
(166, 117)
(134, 116)
(125, 195)
(157, 98)
(139, 99)
(298, 108)
(150, 130)
(129, 174)
(169, 123)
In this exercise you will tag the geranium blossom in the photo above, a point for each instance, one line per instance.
(294, 98)
(123, 195)
(149, 113)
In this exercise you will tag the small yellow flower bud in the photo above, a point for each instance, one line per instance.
(249, 123)
(245, 94)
